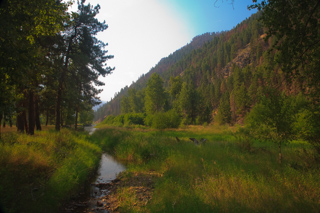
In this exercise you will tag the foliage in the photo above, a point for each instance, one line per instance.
(86, 117)
(164, 120)
(49, 52)
(155, 95)
(272, 119)
(134, 118)
(188, 101)
(295, 27)
(224, 113)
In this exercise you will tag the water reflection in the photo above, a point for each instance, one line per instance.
(90, 129)
(107, 172)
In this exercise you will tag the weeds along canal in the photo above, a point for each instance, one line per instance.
(95, 196)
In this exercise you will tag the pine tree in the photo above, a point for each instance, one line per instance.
(85, 52)
(242, 99)
(155, 95)
(189, 101)
(224, 112)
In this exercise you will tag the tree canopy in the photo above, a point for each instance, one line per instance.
(47, 53)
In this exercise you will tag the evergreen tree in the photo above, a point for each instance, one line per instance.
(155, 95)
(175, 86)
(224, 112)
(188, 101)
(125, 106)
(84, 50)
(242, 99)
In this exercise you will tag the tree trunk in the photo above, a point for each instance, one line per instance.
(31, 113)
(20, 122)
(280, 154)
(37, 113)
(61, 118)
(4, 121)
(58, 116)
(76, 120)
(0, 123)
(47, 119)
(24, 120)
(61, 81)
(10, 119)
(20, 119)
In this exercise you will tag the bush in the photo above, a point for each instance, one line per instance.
(174, 118)
(134, 118)
(118, 120)
(185, 121)
(163, 120)
(108, 120)
(159, 121)
(148, 120)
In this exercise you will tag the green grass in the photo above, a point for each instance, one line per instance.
(38, 173)
(219, 176)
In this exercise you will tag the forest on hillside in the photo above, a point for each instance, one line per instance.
(264, 73)
(50, 63)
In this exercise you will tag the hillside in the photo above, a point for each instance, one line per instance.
(206, 61)
(113, 107)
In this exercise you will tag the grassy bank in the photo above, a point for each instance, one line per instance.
(38, 173)
(222, 175)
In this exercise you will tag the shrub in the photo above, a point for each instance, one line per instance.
(163, 120)
(134, 118)
(108, 120)
(148, 120)
(118, 120)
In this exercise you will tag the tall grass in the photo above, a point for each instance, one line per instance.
(219, 176)
(38, 173)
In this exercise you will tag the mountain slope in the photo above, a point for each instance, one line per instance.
(113, 107)
(233, 65)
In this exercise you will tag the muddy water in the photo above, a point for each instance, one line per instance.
(94, 199)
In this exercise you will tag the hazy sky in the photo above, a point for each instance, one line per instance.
(141, 32)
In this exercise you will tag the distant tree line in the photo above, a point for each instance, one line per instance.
(50, 62)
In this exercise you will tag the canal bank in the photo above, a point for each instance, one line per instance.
(93, 199)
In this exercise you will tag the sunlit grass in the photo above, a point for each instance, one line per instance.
(219, 176)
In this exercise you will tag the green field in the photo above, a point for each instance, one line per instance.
(222, 175)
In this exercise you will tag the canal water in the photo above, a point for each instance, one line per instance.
(94, 200)
(108, 170)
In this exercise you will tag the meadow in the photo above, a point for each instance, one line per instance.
(166, 171)
(40, 173)
(226, 174)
